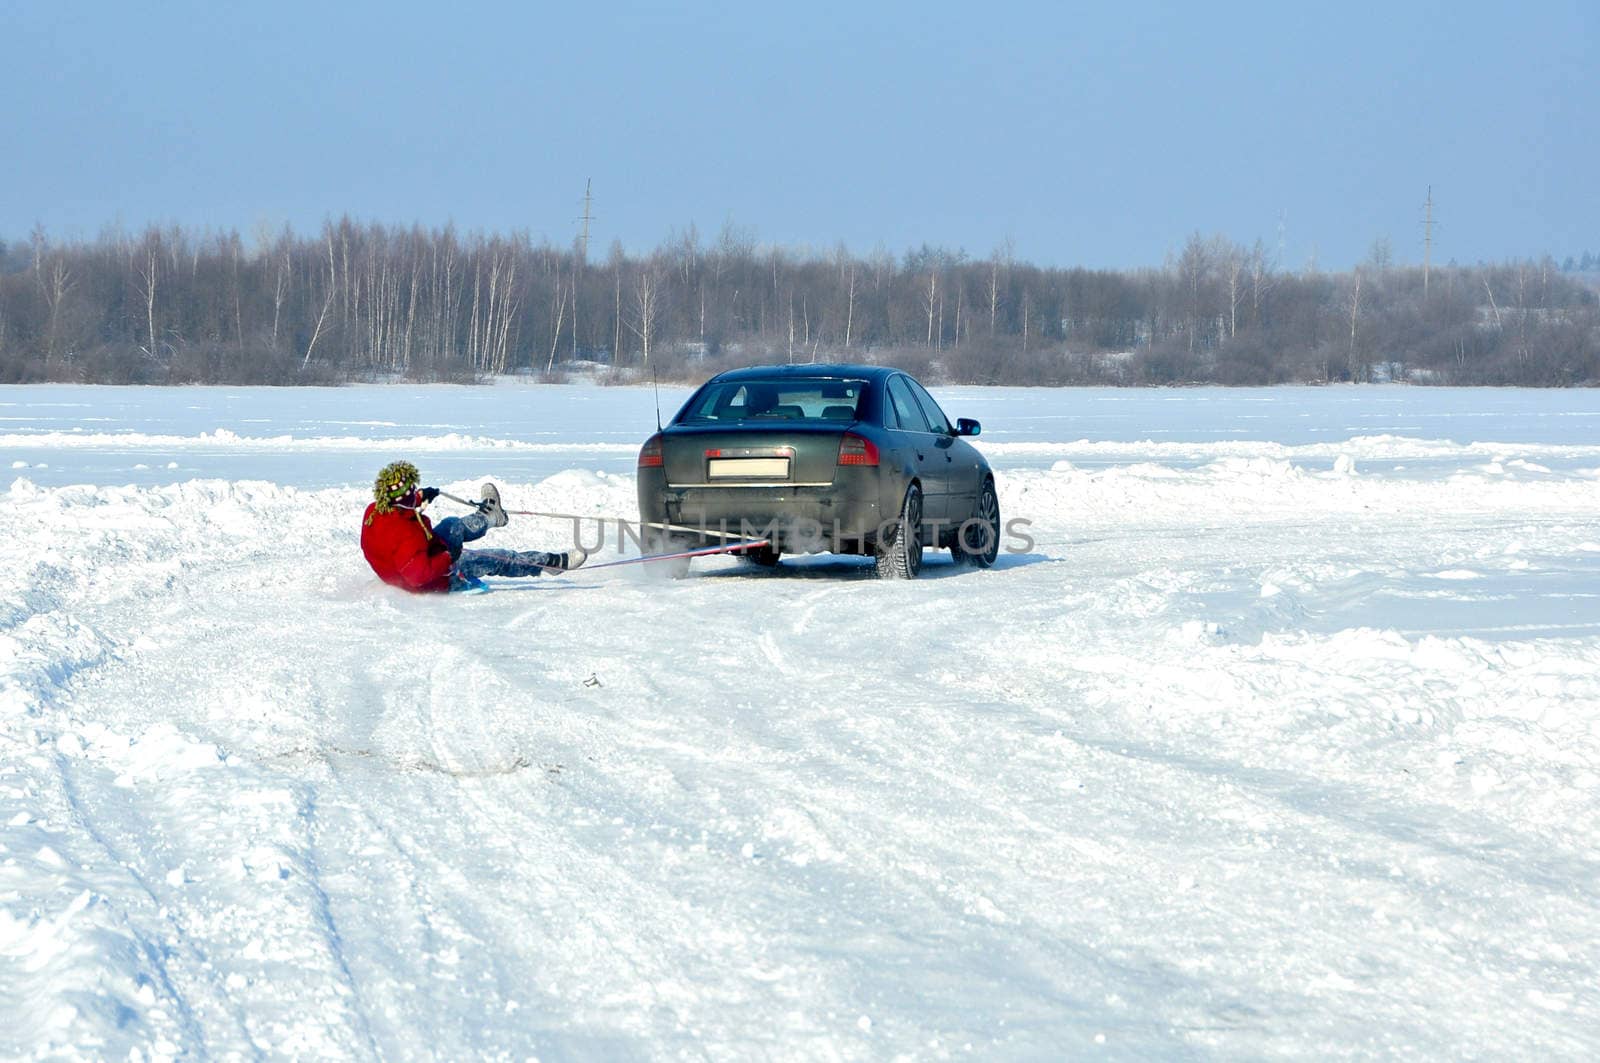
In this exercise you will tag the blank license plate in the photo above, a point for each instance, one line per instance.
(748, 469)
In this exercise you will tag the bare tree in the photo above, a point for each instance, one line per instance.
(1193, 268)
(1498, 324)
(327, 301)
(555, 333)
(994, 290)
(1260, 279)
(147, 270)
(647, 306)
(850, 308)
(280, 283)
(1233, 269)
(1355, 317)
(618, 258)
(961, 294)
(57, 284)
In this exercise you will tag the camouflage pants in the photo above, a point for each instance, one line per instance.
(475, 564)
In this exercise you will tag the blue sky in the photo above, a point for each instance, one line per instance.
(1098, 135)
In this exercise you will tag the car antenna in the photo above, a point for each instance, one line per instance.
(657, 387)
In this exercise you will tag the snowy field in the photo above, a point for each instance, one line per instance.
(1282, 739)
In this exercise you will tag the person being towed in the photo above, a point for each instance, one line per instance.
(409, 551)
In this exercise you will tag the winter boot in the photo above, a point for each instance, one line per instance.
(490, 507)
(570, 560)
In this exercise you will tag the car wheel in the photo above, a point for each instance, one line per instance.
(978, 539)
(900, 555)
(761, 556)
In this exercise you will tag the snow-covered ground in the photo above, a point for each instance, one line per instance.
(1282, 738)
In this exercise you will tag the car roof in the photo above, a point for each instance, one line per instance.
(768, 372)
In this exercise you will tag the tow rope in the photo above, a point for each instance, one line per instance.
(601, 518)
(704, 551)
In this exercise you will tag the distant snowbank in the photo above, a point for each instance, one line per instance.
(223, 438)
(1500, 459)
(1063, 495)
(1360, 448)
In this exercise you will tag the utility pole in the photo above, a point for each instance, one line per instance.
(583, 258)
(583, 239)
(1427, 240)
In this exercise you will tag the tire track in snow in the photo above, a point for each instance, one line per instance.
(329, 926)
(101, 881)
(932, 835)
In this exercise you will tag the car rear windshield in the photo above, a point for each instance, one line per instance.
(781, 399)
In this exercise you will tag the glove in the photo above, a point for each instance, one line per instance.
(429, 494)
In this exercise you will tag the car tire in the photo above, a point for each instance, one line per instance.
(900, 557)
(762, 556)
(977, 541)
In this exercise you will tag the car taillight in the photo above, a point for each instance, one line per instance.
(856, 450)
(650, 453)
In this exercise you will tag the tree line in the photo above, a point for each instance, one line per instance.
(1588, 262)
(363, 301)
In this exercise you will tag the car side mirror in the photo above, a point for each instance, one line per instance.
(966, 426)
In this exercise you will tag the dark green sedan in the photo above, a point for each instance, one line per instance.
(845, 459)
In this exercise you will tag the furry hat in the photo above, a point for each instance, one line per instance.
(395, 480)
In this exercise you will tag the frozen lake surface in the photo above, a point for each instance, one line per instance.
(312, 436)
(1281, 737)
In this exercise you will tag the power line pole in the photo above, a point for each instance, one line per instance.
(583, 258)
(583, 239)
(1427, 240)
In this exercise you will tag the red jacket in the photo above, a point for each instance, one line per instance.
(403, 551)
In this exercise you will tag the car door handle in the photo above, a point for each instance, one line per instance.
(919, 455)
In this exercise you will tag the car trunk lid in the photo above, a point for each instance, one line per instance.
(731, 456)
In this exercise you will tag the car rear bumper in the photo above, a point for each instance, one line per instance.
(839, 518)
